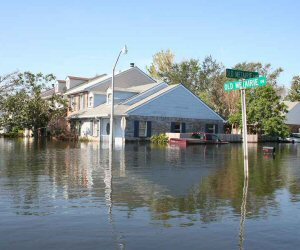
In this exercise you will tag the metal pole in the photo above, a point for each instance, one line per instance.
(245, 134)
(111, 127)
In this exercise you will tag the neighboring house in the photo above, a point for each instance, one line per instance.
(57, 89)
(60, 88)
(143, 107)
(293, 116)
(2, 130)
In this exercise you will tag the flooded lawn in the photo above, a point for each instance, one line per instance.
(56, 195)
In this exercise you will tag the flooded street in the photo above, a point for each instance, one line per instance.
(58, 195)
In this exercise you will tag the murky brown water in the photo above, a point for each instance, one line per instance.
(56, 195)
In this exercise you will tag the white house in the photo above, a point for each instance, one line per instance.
(293, 116)
(143, 107)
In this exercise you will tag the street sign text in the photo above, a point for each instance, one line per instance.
(240, 74)
(246, 84)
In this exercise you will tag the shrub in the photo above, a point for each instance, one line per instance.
(159, 139)
(84, 139)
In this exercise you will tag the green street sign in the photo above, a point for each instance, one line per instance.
(251, 83)
(240, 74)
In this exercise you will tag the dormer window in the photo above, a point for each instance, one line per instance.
(108, 96)
(73, 102)
(90, 101)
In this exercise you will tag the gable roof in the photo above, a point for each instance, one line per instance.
(175, 101)
(48, 93)
(125, 109)
(131, 77)
(78, 78)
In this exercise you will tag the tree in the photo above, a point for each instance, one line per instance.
(265, 112)
(187, 73)
(205, 79)
(26, 108)
(8, 83)
(162, 63)
(294, 93)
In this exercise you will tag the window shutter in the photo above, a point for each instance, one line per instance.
(207, 128)
(183, 127)
(149, 128)
(216, 129)
(136, 129)
(172, 127)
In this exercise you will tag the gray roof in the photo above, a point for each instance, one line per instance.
(121, 109)
(293, 115)
(131, 78)
(48, 93)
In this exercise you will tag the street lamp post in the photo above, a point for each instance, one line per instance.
(111, 130)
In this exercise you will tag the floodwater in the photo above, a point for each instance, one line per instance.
(57, 195)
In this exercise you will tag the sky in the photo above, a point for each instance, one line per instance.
(83, 38)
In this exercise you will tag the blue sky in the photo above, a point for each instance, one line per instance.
(83, 38)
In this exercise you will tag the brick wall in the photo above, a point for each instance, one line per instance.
(163, 124)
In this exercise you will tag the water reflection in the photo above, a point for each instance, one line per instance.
(202, 179)
(243, 214)
(174, 187)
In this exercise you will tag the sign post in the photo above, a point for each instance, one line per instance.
(247, 80)
(245, 133)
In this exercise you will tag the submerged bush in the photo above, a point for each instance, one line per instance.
(159, 139)
(84, 139)
(14, 133)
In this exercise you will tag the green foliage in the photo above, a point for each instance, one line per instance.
(265, 112)
(206, 79)
(159, 139)
(14, 133)
(84, 139)
(162, 63)
(294, 93)
(25, 107)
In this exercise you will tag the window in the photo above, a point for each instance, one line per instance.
(81, 102)
(91, 127)
(90, 101)
(142, 129)
(177, 127)
(211, 128)
(108, 128)
(73, 102)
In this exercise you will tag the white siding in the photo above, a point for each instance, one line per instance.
(60, 87)
(178, 102)
(117, 129)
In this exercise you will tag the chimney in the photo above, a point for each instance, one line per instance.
(131, 65)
